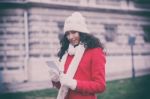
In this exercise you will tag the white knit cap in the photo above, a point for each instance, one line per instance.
(75, 22)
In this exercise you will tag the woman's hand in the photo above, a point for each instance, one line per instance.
(54, 75)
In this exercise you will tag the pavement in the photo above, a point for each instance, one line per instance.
(24, 87)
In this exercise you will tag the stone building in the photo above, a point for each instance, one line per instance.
(30, 31)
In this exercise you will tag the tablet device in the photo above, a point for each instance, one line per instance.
(52, 65)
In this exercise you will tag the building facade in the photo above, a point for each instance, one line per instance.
(30, 31)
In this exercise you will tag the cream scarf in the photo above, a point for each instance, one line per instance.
(78, 52)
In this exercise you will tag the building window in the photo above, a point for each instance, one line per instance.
(146, 33)
(111, 31)
(60, 26)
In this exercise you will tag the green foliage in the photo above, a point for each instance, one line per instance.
(119, 89)
(142, 1)
(127, 89)
(39, 94)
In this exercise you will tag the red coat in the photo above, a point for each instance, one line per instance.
(90, 75)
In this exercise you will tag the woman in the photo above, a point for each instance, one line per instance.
(82, 62)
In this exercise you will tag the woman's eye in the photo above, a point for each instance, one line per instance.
(73, 32)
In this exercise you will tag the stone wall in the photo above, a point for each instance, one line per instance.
(30, 32)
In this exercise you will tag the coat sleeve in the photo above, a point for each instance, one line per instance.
(97, 82)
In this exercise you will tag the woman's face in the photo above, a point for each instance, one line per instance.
(73, 37)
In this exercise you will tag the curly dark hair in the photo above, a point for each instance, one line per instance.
(88, 40)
